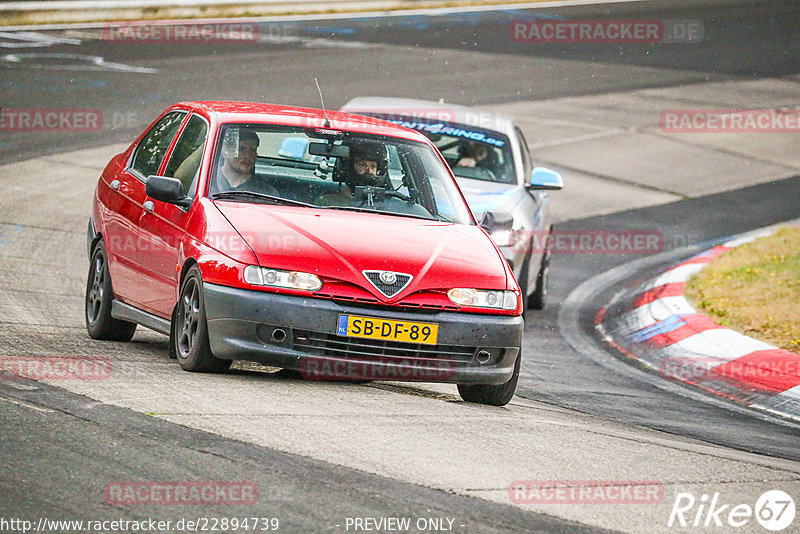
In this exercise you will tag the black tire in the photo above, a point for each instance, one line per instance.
(498, 395)
(523, 281)
(97, 307)
(189, 339)
(538, 298)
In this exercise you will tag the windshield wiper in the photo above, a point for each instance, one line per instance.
(225, 195)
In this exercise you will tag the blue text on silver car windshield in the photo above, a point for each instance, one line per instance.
(440, 128)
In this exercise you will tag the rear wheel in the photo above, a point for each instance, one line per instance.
(189, 339)
(99, 295)
(494, 395)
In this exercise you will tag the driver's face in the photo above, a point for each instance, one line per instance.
(365, 166)
(245, 162)
(479, 152)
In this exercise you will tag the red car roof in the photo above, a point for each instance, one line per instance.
(252, 112)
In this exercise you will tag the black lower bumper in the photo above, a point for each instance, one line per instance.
(300, 333)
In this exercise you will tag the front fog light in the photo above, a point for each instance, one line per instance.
(263, 276)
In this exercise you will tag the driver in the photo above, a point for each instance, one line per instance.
(367, 165)
(237, 171)
(472, 154)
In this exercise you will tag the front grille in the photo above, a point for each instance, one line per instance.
(389, 290)
(374, 304)
(325, 344)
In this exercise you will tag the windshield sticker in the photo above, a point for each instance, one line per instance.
(440, 128)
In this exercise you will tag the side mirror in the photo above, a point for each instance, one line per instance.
(168, 190)
(543, 178)
(497, 221)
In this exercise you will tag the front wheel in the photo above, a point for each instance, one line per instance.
(538, 298)
(498, 395)
(99, 295)
(189, 339)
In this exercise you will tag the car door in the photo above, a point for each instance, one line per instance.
(533, 210)
(162, 226)
(125, 202)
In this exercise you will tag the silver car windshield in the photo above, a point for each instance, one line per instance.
(341, 170)
(471, 152)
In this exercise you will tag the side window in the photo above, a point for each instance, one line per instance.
(184, 164)
(153, 147)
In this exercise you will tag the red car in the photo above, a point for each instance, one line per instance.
(328, 243)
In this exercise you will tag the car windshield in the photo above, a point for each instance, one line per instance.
(471, 152)
(310, 167)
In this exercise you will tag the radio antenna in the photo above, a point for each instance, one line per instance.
(327, 122)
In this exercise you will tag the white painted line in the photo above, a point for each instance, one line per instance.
(122, 4)
(375, 13)
(26, 405)
(792, 393)
(83, 62)
(749, 238)
(579, 138)
(678, 274)
(658, 310)
(33, 40)
(21, 387)
(721, 343)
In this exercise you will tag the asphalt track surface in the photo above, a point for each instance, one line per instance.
(305, 496)
(743, 40)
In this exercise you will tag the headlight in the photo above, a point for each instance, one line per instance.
(478, 298)
(263, 276)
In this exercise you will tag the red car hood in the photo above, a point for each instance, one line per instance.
(341, 244)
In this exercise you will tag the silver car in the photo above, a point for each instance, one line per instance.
(492, 164)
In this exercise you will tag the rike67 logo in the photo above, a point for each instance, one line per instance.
(774, 510)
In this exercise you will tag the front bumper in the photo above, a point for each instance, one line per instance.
(300, 333)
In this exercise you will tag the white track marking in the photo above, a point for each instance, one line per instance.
(33, 40)
(721, 343)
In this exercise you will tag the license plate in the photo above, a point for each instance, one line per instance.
(387, 329)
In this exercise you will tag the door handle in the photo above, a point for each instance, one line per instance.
(149, 206)
(114, 185)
